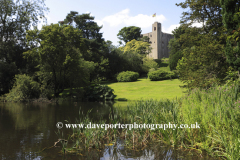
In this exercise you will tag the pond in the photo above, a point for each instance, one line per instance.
(28, 131)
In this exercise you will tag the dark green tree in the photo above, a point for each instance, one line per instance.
(58, 52)
(127, 34)
(203, 62)
(203, 11)
(175, 46)
(94, 43)
(231, 20)
(16, 17)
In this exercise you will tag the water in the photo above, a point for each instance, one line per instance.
(28, 131)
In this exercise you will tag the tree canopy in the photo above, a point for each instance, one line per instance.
(16, 17)
(140, 47)
(199, 50)
(58, 54)
(94, 43)
(231, 20)
(126, 34)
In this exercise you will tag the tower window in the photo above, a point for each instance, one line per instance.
(154, 28)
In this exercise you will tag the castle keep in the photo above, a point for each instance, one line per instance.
(159, 42)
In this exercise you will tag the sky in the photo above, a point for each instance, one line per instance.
(113, 15)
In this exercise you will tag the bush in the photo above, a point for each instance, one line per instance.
(161, 75)
(97, 92)
(24, 88)
(127, 76)
(149, 63)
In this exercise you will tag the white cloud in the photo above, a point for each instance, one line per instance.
(197, 24)
(123, 18)
(174, 26)
(170, 29)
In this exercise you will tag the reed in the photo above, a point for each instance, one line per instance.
(216, 110)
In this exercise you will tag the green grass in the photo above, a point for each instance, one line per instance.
(146, 89)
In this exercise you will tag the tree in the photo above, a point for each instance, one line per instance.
(95, 44)
(16, 17)
(127, 34)
(203, 11)
(145, 39)
(203, 61)
(58, 52)
(204, 64)
(175, 46)
(231, 18)
(140, 47)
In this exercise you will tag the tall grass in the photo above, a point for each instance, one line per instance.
(216, 110)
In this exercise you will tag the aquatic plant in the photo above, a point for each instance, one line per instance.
(215, 110)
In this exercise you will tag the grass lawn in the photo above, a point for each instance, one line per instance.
(145, 89)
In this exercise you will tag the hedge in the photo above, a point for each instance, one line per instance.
(128, 76)
(161, 75)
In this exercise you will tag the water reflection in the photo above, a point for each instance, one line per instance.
(28, 131)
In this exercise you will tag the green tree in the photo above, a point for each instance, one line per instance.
(16, 17)
(145, 39)
(140, 47)
(231, 18)
(203, 61)
(96, 49)
(203, 11)
(127, 34)
(24, 88)
(175, 46)
(203, 64)
(58, 53)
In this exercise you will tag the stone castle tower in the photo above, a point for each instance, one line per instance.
(159, 42)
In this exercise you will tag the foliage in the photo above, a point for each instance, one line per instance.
(175, 46)
(117, 63)
(175, 53)
(161, 75)
(203, 61)
(231, 17)
(149, 63)
(139, 47)
(97, 92)
(16, 17)
(232, 76)
(204, 64)
(126, 34)
(145, 39)
(127, 76)
(203, 11)
(24, 88)
(205, 120)
(133, 61)
(96, 49)
(58, 55)
(217, 110)
(7, 73)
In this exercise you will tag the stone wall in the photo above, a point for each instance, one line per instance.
(159, 41)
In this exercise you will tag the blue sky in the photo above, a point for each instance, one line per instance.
(116, 14)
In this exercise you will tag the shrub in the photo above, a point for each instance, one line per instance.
(127, 76)
(161, 75)
(149, 63)
(24, 88)
(97, 92)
